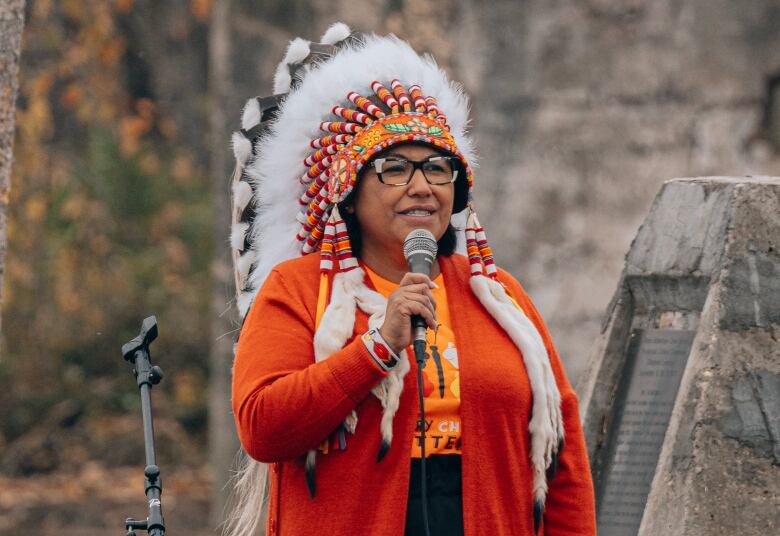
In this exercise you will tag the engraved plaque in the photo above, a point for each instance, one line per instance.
(656, 360)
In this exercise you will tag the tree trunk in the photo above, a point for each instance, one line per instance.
(11, 24)
(223, 443)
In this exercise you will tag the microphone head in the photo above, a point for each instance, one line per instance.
(420, 246)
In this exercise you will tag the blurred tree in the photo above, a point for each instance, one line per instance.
(11, 24)
(223, 441)
(109, 221)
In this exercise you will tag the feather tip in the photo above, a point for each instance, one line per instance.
(383, 448)
(538, 510)
(238, 235)
(242, 148)
(251, 114)
(337, 31)
(242, 195)
(297, 51)
(311, 482)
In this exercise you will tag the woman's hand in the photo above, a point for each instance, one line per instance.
(412, 297)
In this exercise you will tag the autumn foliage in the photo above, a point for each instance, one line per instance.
(109, 222)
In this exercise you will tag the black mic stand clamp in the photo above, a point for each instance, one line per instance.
(146, 375)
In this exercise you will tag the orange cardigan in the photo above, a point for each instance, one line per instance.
(285, 404)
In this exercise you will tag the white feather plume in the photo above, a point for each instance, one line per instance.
(297, 51)
(242, 194)
(237, 235)
(242, 148)
(243, 264)
(459, 222)
(244, 299)
(251, 114)
(388, 391)
(338, 31)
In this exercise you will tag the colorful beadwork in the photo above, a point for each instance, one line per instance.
(348, 143)
(479, 253)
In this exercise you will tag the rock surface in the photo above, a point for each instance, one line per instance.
(706, 256)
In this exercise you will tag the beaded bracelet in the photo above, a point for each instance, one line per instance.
(379, 349)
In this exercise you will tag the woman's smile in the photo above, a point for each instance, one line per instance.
(419, 215)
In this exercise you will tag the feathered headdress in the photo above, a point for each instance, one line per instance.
(299, 154)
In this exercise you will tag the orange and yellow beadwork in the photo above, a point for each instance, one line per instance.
(347, 144)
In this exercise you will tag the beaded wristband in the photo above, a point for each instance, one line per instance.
(379, 349)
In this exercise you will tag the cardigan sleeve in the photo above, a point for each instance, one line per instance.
(283, 402)
(570, 509)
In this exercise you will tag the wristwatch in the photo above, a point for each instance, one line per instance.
(379, 349)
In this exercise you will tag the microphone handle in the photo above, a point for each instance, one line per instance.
(419, 322)
(420, 328)
(420, 264)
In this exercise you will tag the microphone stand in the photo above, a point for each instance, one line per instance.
(146, 375)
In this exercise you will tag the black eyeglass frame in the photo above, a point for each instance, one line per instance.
(418, 164)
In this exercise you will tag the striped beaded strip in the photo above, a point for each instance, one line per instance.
(327, 247)
(401, 95)
(317, 233)
(321, 154)
(342, 245)
(366, 105)
(351, 115)
(333, 139)
(433, 107)
(485, 252)
(340, 127)
(415, 93)
(472, 249)
(387, 97)
(315, 188)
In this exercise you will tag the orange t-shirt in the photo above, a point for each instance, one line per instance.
(441, 379)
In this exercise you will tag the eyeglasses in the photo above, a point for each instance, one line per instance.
(397, 171)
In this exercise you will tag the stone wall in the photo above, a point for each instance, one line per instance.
(581, 110)
(594, 105)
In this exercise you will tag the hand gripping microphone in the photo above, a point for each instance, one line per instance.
(420, 249)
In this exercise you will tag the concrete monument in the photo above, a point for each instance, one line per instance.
(681, 404)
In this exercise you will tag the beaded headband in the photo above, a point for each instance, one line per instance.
(333, 169)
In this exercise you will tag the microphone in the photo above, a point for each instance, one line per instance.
(420, 249)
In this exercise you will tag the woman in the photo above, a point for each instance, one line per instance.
(324, 391)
